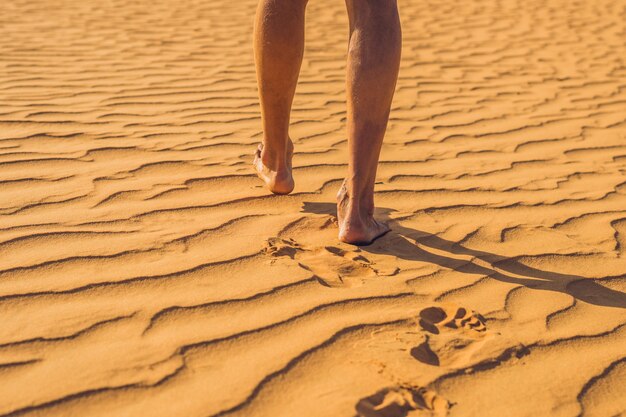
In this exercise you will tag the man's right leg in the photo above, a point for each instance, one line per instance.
(278, 51)
(373, 63)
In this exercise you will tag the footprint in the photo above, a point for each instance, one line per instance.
(333, 266)
(403, 401)
(425, 354)
(457, 336)
(282, 247)
(433, 319)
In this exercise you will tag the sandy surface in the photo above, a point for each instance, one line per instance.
(145, 272)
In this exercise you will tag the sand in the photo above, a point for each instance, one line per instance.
(145, 271)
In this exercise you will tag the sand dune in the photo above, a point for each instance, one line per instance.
(145, 272)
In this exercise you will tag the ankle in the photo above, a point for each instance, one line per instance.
(274, 160)
(354, 201)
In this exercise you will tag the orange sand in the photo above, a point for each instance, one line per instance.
(145, 272)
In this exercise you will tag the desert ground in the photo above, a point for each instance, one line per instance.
(144, 271)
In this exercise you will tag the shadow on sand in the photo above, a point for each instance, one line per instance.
(398, 243)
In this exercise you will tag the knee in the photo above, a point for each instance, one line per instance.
(298, 3)
(382, 6)
(286, 3)
(384, 12)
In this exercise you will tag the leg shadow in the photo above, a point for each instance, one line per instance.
(416, 245)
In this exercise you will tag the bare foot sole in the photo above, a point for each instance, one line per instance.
(357, 225)
(278, 182)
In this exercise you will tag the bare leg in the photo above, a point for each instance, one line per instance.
(278, 50)
(373, 64)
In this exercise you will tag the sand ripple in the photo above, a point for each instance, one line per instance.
(144, 271)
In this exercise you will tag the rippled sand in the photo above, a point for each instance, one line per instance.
(145, 272)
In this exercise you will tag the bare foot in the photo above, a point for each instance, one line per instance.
(357, 225)
(280, 180)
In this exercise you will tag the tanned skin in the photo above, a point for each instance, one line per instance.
(372, 71)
